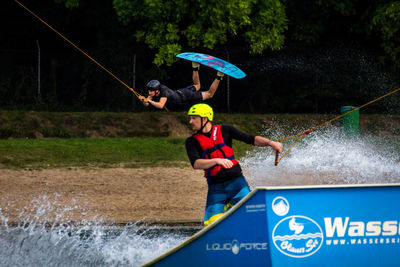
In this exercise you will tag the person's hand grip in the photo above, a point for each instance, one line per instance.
(276, 158)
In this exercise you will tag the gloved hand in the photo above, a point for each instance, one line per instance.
(220, 75)
(195, 65)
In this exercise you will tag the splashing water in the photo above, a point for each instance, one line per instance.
(45, 236)
(39, 240)
(328, 158)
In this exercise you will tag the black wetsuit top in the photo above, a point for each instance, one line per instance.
(180, 98)
(173, 97)
(194, 151)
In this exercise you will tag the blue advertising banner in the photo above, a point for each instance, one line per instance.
(355, 225)
(334, 226)
(239, 240)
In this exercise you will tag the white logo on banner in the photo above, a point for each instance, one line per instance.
(343, 231)
(297, 236)
(235, 246)
(280, 206)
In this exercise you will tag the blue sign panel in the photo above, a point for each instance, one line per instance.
(303, 226)
(239, 239)
(334, 226)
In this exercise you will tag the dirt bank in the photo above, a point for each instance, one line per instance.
(117, 195)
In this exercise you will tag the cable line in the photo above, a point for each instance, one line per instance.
(302, 134)
(80, 50)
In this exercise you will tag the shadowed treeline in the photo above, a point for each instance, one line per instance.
(44, 125)
(326, 61)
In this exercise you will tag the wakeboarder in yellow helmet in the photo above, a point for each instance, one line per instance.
(210, 149)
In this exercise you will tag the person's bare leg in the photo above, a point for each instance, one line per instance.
(213, 88)
(196, 80)
(195, 75)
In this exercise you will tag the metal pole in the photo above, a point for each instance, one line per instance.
(134, 72)
(134, 79)
(38, 83)
(227, 85)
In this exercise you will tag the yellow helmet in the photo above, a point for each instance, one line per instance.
(202, 110)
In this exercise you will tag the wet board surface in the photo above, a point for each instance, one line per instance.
(215, 63)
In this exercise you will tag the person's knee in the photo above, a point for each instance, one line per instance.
(197, 86)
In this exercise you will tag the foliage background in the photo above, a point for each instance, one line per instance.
(300, 56)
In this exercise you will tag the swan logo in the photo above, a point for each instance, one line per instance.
(297, 236)
(280, 206)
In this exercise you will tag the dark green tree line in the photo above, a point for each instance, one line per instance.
(300, 56)
(169, 26)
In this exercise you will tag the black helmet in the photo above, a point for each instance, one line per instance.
(153, 85)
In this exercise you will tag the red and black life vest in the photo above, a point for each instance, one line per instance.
(214, 147)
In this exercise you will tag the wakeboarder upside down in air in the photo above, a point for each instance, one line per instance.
(160, 94)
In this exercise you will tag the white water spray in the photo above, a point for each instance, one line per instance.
(45, 236)
(327, 158)
(40, 240)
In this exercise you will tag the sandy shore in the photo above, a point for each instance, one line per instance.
(117, 195)
(123, 195)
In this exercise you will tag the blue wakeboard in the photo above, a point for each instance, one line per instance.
(215, 63)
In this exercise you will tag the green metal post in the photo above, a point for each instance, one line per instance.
(350, 122)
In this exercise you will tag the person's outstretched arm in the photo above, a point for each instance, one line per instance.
(208, 163)
(251, 139)
(261, 141)
(159, 104)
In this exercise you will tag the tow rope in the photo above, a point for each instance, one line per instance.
(80, 50)
(302, 134)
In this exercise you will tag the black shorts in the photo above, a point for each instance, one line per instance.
(189, 94)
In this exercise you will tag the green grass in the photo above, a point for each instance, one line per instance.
(142, 139)
(100, 152)
(117, 152)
